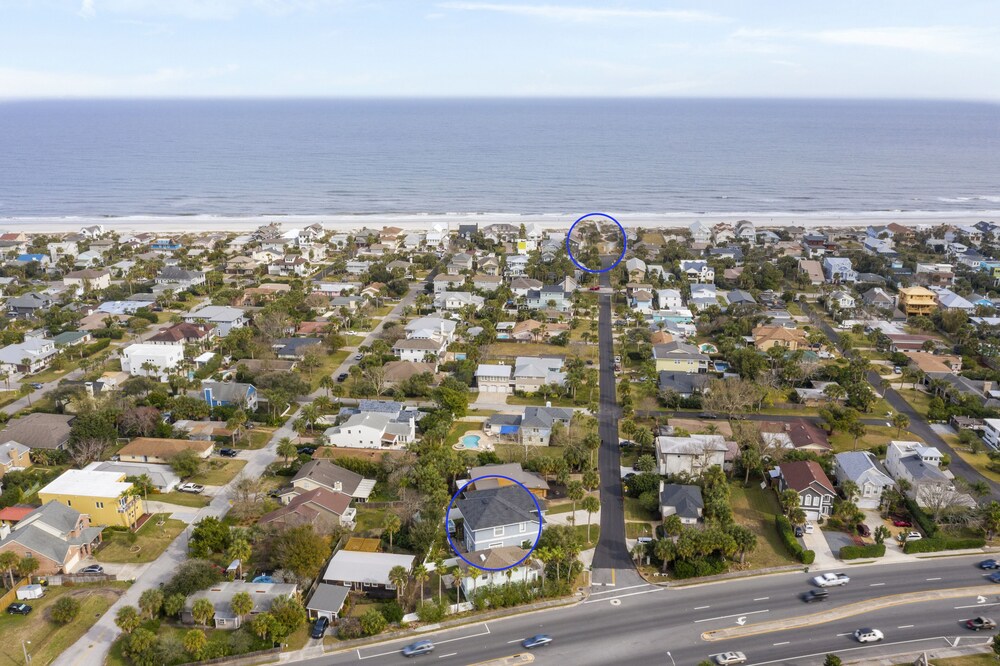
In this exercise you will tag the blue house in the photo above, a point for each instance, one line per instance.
(497, 518)
(222, 394)
(28, 258)
(164, 245)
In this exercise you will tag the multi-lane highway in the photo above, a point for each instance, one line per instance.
(641, 623)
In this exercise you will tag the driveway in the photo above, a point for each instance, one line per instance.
(817, 542)
(93, 647)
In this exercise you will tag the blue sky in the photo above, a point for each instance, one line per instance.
(412, 48)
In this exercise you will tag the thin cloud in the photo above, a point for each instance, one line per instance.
(87, 9)
(165, 81)
(583, 14)
(928, 39)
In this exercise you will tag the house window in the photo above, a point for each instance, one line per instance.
(498, 531)
(100, 505)
(496, 544)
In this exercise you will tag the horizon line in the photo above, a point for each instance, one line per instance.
(473, 98)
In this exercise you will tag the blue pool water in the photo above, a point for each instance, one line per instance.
(471, 441)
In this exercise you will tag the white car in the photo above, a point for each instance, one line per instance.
(831, 579)
(868, 635)
(912, 535)
(810, 528)
(727, 658)
(191, 488)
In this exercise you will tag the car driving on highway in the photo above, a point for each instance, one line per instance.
(815, 595)
(868, 635)
(980, 623)
(989, 564)
(538, 640)
(418, 648)
(831, 579)
(727, 658)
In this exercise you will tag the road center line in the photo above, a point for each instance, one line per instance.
(905, 626)
(933, 579)
(701, 607)
(996, 603)
(845, 634)
(876, 584)
(630, 587)
(762, 598)
(450, 654)
(516, 640)
(782, 643)
(725, 617)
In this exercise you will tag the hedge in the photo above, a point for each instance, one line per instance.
(698, 568)
(934, 545)
(855, 552)
(784, 527)
(95, 347)
(926, 523)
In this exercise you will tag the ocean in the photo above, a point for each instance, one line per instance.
(254, 158)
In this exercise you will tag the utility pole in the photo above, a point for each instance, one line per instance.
(24, 646)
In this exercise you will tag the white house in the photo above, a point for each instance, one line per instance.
(88, 279)
(700, 232)
(164, 359)
(372, 430)
(417, 349)
(867, 472)
(456, 300)
(669, 299)
(991, 432)
(224, 317)
(690, 455)
(27, 357)
(697, 270)
(919, 465)
(496, 566)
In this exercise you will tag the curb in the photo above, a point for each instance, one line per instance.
(848, 610)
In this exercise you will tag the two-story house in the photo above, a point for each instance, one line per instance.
(864, 469)
(839, 270)
(224, 317)
(814, 488)
(919, 465)
(497, 518)
(697, 270)
(679, 356)
(324, 474)
(917, 300)
(373, 430)
(690, 455)
(104, 496)
(222, 394)
(57, 536)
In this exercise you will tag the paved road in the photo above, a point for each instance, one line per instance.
(612, 563)
(639, 624)
(918, 423)
(669, 413)
(93, 647)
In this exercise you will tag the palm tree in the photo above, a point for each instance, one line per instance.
(239, 550)
(390, 525)
(901, 421)
(241, 604)
(286, 449)
(398, 577)
(8, 562)
(591, 505)
(420, 576)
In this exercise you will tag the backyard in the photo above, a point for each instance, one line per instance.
(149, 542)
(47, 638)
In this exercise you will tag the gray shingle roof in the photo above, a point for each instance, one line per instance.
(483, 509)
(328, 598)
(856, 463)
(686, 500)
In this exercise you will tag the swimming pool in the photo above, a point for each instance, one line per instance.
(471, 441)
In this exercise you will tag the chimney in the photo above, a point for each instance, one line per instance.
(338, 486)
(548, 403)
(987, 387)
(89, 386)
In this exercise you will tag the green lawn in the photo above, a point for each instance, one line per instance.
(383, 311)
(459, 428)
(636, 530)
(980, 461)
(353, 340)
(216, 472)
(969, 660)
(595, 533)
(329, 365)
(633, 511)
(183, 499)
(152, 540)
(49, 639)
(259, 437)
(368, 520)
(874, 436)
(513, 349)
(919, 400)
(756, 508)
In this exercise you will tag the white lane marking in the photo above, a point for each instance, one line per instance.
(933, 579)
(762, 598)
(905, 626)
(631, 594)
(846, 634)
(701, 607)
(725, 617)
(450, 654)
(876, 584)
(782, 643)
(447, 640)
(594, 594)
(863, 647)
(516, 640)
(996, 603)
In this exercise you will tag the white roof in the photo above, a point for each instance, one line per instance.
(87, 483)
(356, 566)
(216, 313)
(486, 370)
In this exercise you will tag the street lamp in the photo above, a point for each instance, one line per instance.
(24, 646)
(671, 658)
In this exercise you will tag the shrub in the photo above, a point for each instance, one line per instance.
(926, 523)
(431, 612)
(708, 566)
(372, 622)
(937, 544)
(392, 612)
(65, 610)
(807, 557)
(855, 552)
(349, 628)
(784, 527)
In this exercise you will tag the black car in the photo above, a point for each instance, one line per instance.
(815, 595)
(989, 564)
(799, 531)
(319, 627)
(306, 450)
(342, 377)
(864, 530)
(19, 609)
(229, 453)
(708, 415)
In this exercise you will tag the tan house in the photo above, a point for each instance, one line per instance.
(88, 279)
(767, 336)
(917, 301)
(57, 536)
(321, 508)
(156, 450)
(927, 362)
(13, 455)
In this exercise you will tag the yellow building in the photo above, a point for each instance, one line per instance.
(104, 496)
(917, 301)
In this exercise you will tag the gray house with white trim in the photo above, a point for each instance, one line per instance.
(497, 517)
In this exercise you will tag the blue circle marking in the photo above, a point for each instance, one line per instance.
(468, 483)
(617, 261)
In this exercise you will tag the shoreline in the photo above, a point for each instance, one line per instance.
(215, 223)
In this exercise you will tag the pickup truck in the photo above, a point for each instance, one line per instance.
(831, 579)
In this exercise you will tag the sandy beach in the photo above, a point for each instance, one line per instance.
(206, 223)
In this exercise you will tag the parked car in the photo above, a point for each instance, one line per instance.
(191, 488)
(868, 635)
(831, 579)
(809, 528)
(19, 609)
(358, 357)
(36, 385)
(980, 623)
(989, 564)
(815, 595)
(418, 648)
(902, 522)
(727, 658)
(306, 450)
(595, 288)
(799, 531)
(912, 535)
(538, 640)
(896, 370)
(342, 377)
(229, 453)
(319, 627)
(708, 415)
(92, 569)
(864, 530)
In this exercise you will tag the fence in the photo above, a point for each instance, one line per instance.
(11, 595)
(258, 657)
(73, 579)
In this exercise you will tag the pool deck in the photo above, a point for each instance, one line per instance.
(485, 442)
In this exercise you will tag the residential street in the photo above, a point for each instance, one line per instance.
(93, 647)
(918, 423)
